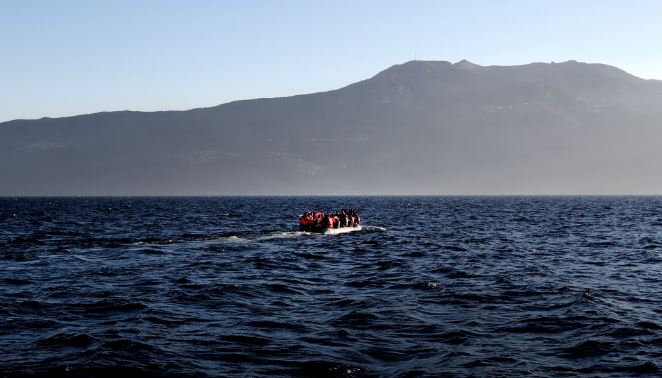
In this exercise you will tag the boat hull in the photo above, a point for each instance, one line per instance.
(339, 230)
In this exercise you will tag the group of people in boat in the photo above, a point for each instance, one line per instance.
(316, 221)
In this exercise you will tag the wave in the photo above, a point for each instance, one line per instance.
(166, 288)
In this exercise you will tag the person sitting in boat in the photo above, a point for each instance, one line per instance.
(356, 220)
(306, 221)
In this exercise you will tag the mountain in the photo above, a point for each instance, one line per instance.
(422, 127)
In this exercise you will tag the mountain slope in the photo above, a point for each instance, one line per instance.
(415, 128)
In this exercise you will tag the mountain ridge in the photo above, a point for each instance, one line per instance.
(420, 127)
(460, 64)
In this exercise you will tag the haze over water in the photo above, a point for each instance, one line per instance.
(487, 286)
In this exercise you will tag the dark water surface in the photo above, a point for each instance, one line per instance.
(453, 286)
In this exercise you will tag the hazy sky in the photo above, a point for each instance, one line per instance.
(70, 57)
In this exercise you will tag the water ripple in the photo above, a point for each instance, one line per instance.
(432, 286)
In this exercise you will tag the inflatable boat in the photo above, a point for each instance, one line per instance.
(339, 222)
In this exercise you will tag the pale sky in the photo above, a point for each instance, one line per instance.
(68, 57)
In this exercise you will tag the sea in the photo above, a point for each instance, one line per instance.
(430, 287)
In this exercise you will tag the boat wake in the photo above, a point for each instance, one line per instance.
(283, 235)
(239, 239)
(373, 228)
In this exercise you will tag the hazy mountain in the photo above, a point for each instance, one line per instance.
(415, 128)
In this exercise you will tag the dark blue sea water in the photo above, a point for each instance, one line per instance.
(433, 286)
